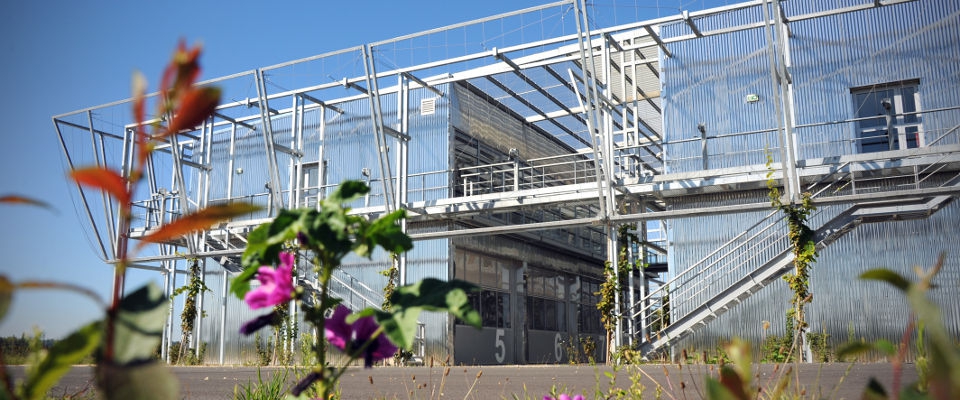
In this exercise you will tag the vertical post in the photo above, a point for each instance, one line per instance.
(703, 146)
(321, 163)
(198, 330)
(171, 283)
(271, 155)
(223, 314)
(516, 174)
(591, 103)
(644, 289)
(613, 258)
(376, 117)
(403, 125)
(775, 83)
(522, 317)
(631, 298)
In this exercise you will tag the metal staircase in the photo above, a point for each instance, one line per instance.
(760, 254)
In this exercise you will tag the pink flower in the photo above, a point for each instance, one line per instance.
(276, 285)
(352, 338)
(564, 396)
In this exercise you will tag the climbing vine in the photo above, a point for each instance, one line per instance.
(804, 251)
(606, 305)
(393, 279)
(188, 317)
(393, 276)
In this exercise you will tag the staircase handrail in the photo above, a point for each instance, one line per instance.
(700, 265)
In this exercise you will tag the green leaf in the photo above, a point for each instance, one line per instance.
(147, 381)
(436, 295)
(348, 191)
(6, 295)
(60, 358)
(853, 349)
(910, 392)
(399, 326)
(386, 233)
(886, 275)
(886, 347)
(264, 245)
(139, 324)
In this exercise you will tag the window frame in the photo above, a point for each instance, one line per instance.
(870, 131)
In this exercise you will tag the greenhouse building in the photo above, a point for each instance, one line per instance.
(543, 144)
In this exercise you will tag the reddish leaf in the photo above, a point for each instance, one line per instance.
(14, 199)
(196, 105)
(139, 111)
(182, 71)
(199, 220)
(104, 179)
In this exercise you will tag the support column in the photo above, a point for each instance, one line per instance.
(223, 314)
(612, 257)
(198, 330)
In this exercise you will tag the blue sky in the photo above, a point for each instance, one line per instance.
(61, 56)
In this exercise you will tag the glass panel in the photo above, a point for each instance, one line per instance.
(472, 268)
(561, 316)
(530, 313)
(536, 283)
(874, 140)
(538, 320)
(474, 299)
(504, 272)
(550, 315)
(459, 264)
(550, 286)
(503, 319)
(912, 133)
(488, 272)
(561, 288)
(488, 308)
(909, 95)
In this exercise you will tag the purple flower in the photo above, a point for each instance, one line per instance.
(305, 383)
(255, 324)
(564, 396)
(276, 285)
(353, 338)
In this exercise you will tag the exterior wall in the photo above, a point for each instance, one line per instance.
(828, 57)
(915, 40)
(706, 80)
(843, 306)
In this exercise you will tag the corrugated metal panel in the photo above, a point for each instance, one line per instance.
(705, 82)
(238, 349)
(831, 55)
(430, 154)
(848, 308)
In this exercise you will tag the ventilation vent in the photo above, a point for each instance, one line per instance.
(428, 106)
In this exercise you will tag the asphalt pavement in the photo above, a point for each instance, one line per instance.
(831, 381)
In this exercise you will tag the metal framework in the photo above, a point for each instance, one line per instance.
(594, 91)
